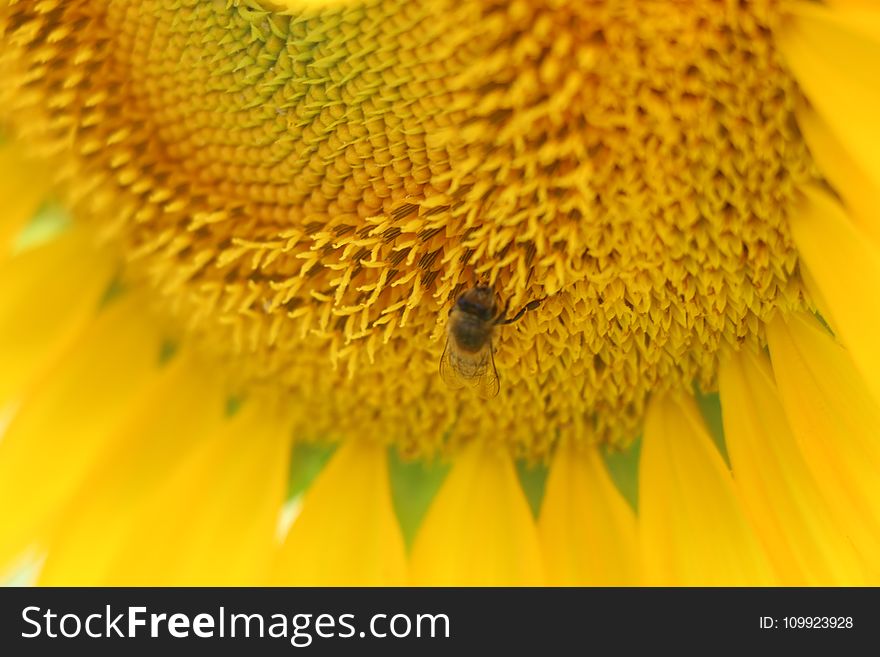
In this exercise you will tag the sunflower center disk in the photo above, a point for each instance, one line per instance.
(312, 192)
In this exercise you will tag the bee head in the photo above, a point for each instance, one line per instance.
(478, 301)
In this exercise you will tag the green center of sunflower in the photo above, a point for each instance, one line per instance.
(312, 192)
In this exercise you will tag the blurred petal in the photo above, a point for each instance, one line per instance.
(835, 55)
(836, 423)
(24, 186)
(147, 440)
(347, 533)
(692, 529)
(845, 269)
(479, 530)
(852, 4)
(793, 520)
(63, 425)
(48, 294)
(587, 530)
(862, 195)
(212, 520)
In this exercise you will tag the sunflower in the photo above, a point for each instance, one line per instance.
(233, 233)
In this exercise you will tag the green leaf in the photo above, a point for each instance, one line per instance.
(623, 466)
(306, 461)
(413, 486)
(710, 408)
(532, 478)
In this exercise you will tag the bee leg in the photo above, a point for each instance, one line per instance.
(531, 305)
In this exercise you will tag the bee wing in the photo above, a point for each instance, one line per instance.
(476, 371)
(487, 384)
(448, 371)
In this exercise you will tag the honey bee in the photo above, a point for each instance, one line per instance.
(468, 358)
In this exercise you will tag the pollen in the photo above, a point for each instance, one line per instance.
(309, 190)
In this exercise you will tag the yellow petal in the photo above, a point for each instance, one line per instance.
(692, 529)
(836, 423)
(48, 295)
(587, 530)
(793, 520)
(852, 4)
(147, 441)
(61, 428)
(24, 186)
(347, 533)
(834, 55)
(861, 194)
(814, 292)
(479, 530)
(844, 267)
(212, 521)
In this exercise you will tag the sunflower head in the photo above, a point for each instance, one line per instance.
(310, 191)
